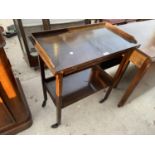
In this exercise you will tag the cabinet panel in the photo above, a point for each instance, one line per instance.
(6, 119)
(14, 112)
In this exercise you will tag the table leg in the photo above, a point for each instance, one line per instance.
(59, 79)
(42, 71)
(119, 73)
(123, 66)
(134, 82)
(92, 75)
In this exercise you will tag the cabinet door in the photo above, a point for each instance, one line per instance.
(6, 119)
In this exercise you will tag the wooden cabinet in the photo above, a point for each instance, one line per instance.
(14, 112)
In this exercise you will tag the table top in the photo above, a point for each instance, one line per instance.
(70, 47)
(144, 33)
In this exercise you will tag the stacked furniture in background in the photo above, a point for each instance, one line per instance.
(27, 26)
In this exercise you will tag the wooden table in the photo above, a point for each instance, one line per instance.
(144, 33)
(70, 53)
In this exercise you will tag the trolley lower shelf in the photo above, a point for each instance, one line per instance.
(75, 87)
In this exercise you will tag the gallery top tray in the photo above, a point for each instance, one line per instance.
(68, 48)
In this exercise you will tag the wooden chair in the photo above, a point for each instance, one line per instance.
(141, 61)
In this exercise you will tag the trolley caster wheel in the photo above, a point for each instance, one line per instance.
(55, 125)
(101, 101)
(44, 104)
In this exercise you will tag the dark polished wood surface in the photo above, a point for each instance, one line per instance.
(144, 32)
(70, 47)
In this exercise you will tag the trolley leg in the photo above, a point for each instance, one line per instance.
(58, 99)
(42, 71)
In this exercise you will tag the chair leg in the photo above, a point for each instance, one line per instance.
(134, 82)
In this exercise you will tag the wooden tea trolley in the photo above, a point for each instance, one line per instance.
(73, 56)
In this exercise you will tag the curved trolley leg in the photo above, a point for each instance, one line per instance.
(42, 71)
(107, 94)
(58, 99)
